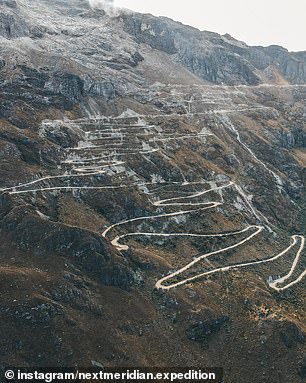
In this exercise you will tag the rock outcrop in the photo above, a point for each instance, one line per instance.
(212, 57)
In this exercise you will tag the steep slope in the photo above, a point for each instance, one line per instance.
(150, 215)
(215, 58)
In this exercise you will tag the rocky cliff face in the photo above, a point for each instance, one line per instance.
(217, 59)
(130, 147)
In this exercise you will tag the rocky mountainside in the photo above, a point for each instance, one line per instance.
(152, 207)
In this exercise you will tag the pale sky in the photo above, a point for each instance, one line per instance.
(256, 22)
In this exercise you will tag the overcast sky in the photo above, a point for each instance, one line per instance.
(257, 22)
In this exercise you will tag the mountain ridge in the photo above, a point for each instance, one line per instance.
(208, 55)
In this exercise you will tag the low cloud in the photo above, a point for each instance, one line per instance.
(102, 4)
(108, 6)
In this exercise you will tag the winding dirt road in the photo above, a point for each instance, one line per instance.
(85, 167)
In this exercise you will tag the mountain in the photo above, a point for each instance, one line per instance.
(152, 207)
